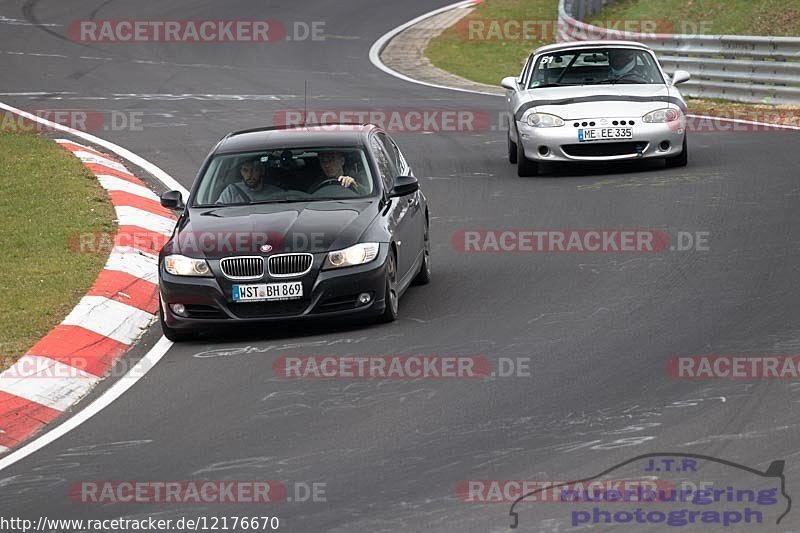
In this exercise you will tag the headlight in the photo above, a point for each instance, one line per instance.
(543, 120)
(358, 254)
(662, 115)
(180, 265)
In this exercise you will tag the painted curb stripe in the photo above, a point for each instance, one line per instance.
(72, 146)
(20, 418)
(134, 239)
(124, 198)
(131, 216)
(67, 362)
(113, 183)
(121, 322)
(127, 289)
(104, 170)
(139, 264)
(79, 347)
(46, 381)
(89, 158)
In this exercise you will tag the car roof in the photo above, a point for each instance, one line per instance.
(557, 47)
(274, 137)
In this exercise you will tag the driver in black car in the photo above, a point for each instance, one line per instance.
(332, 164)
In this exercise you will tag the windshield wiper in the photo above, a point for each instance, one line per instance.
(546, 85)
(622, 79)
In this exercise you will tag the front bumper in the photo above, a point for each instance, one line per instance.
(327, 293)
(562, 144)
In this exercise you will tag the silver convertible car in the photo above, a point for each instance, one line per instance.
(594, 101)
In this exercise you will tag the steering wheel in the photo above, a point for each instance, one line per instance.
(325, 183)
(635, 75)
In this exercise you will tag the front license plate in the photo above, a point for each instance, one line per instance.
(604, 134)
(266, 292)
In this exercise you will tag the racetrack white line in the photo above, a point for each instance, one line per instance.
(168, 181)
(115, 391)
(378, 46)
(767, 125)
(150, 359)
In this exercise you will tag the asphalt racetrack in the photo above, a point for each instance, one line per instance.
(595, 329)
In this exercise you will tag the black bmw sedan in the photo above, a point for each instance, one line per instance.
(294, 222)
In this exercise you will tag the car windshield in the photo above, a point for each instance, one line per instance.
(595, 67)
(285, 175)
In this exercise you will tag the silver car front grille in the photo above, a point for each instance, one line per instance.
(242, 268)
(289, 265)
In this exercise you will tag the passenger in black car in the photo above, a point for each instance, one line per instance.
(252, 188)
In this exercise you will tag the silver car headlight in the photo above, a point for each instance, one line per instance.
(357, 254)
(667, 114)
(180, 265)
(544, 120)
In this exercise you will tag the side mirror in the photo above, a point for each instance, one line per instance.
(509, 83)
(680, 76)
(172, 200)
(404, 185)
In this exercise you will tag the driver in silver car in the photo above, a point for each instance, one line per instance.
(622, 62)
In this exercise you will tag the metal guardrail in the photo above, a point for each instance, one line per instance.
(734, 67)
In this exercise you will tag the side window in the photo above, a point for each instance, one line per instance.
(385, 166)
(405, 169)
(525, 69)
(397, 156)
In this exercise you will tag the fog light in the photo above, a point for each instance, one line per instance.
(664, 146)
(178, 309)
(364, 298)
(544, 150)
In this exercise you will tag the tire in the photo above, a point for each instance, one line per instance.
(525, 167)
(175, 335)
(423, 277)
(512, 150)
(680, 160)
(391, 298)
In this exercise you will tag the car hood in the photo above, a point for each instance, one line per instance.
(314, 227)
(599, 101)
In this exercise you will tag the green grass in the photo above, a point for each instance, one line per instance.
(47, 196)
(489, 60)
(736, 17)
